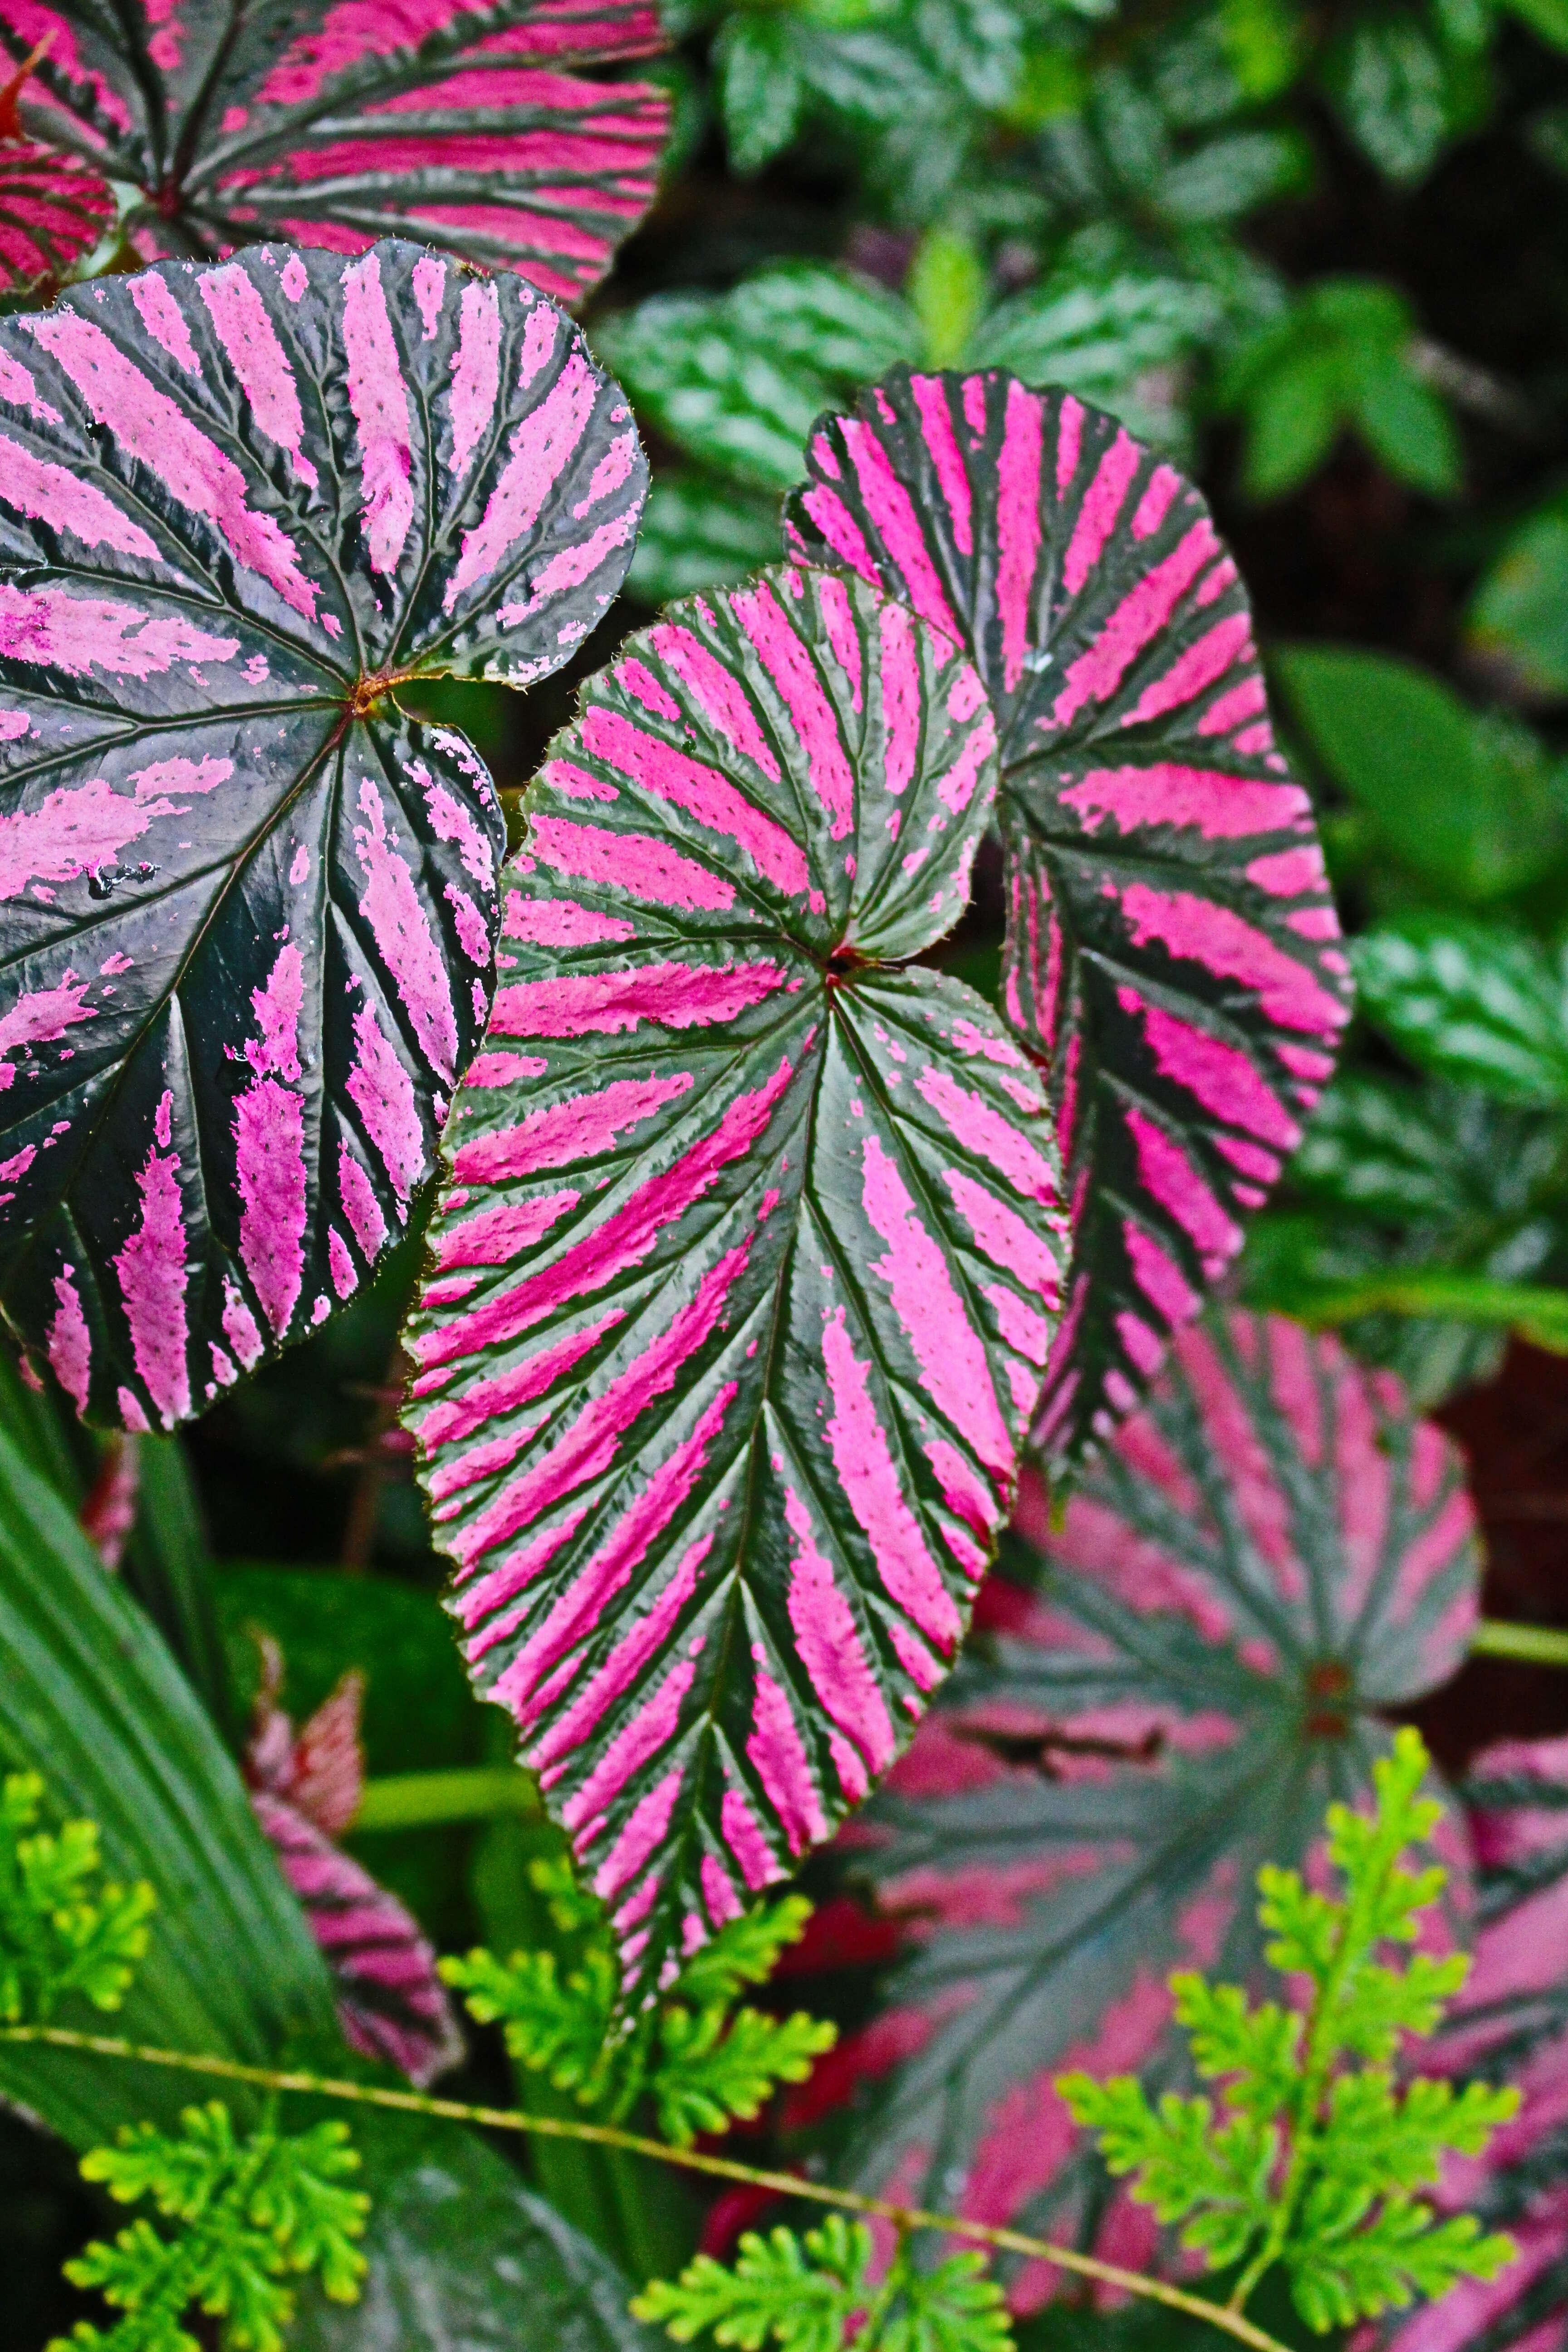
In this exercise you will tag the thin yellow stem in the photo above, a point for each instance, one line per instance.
(720, 2167)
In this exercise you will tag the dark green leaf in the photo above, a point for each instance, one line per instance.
(1469, 805)
(1472, 1003)
(90, 1698)
(247, 942)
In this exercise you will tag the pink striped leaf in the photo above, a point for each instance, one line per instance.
(305, 1791)
(247, 910)
(53, 211)
(1164, 1692)
(1172, 946)
(485, 130)
(1512, 2024)
(745, 1274)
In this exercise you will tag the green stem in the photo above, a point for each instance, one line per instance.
(417, 1801)
(719, 2167)
(1538, 1646)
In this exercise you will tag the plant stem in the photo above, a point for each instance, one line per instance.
(1537, 1646)
(479, 1793)
(722, 2167)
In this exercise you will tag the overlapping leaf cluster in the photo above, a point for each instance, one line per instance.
(1315, 2152)
(63, 1929)
(698, 2059)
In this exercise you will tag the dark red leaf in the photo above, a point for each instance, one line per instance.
(305, 1790)
(53, 210)
(340, 122)
(1161, 1696)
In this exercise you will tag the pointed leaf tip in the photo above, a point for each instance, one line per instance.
(246, 933)
(747, 1268)
(1171, 943)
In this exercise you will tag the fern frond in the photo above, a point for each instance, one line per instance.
(1311, 2161)
(808, 2295)
(746, 1951)
(553, 2025)
(1258, 2046)
(60, 1933)
(705, 2075)
(252, 2210)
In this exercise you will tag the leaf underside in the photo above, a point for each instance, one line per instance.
(246, 935)
(746, 1269)
(1171, 944)
(52, 211)
(477, 129)
(1162, 1696)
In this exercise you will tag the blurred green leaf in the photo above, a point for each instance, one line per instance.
(946, 289)
(760, 88)
(737, 380)
(1108, 335)
(1388, 80)
(1343, 358)
(1548, 19)
(1518, 618)
(700, 531)
(1470, 1003)
(1471, 804)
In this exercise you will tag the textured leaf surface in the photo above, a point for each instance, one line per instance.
(461, 2258)
(334, 123)
(246, 943)
(53, 210)
(92, 1698)
(305, 1790)
(1172, 1688)
(1171, 946)
(745, 1275)
(1474, 1004)
(1512, 2023)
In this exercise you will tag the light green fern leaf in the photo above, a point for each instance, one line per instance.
(745, 1952)
(253, 2211)
(62, 1930)
(705, 2075)
(1311, 2159)
(553, 2025)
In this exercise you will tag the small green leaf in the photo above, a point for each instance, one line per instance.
(60, 1931)
(706, 2074)
(254, 2210)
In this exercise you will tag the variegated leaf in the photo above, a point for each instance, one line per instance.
(1172, 946)
(746, 1271)
(305, 1791)
(248, 909)
(481, 129)
(1162, 1694)
(1512, 2024)
(53, 211)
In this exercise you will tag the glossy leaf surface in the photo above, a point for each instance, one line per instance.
(53, 210)
(249, 908)
(305, 1787)
(1512, 2023)
(462, 2258)
(1170, 1691)
(1171, 944)
(92, 1698)
(478, 129)
(745, 1275)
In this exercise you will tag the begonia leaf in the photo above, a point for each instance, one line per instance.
(745, 1275)
(334, 123)
(1171, 945)
(305, 1790)
(53, 210)
(1168, 1690)
(1512, 2024)
(247, 907)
